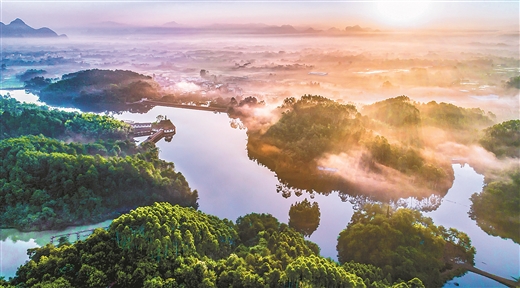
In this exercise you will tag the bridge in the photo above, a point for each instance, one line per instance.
(166, 133)
(184, 106)
(78, 234)
(501, 280)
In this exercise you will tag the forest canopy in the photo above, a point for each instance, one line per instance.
(314, 127)
(17, 119)
(46, 183)
(96, 88)
(503, 139)
(170, 246)
(404, 244)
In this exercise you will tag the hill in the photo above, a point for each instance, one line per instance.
(100, 90)
(18, 29)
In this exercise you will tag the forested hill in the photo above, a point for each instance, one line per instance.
(92, 88)
(169, 246)
(313, 127)
(47, 183)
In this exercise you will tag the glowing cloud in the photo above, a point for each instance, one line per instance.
(402, 13)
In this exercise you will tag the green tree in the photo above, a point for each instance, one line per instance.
(404, 244)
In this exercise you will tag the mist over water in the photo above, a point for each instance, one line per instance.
(465, 70)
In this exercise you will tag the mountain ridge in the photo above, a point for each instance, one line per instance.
(18, 29)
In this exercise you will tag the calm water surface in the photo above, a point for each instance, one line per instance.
(213, 158)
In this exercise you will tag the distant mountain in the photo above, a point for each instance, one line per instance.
(18, 29)
(312, 31)
(171, 24)
(356, 29)
(236, 27)
(284, 29)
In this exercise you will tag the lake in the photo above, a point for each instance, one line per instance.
(213, 158)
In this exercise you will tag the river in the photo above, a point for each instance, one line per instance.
(213, 158)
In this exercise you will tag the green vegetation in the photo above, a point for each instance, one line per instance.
(169, 246)
(503, 139)
(404, 244)
(46, 183)
(304, 217)
(403, 119)
(496, 208)
(17, 119)
(463, 124)
(314, 126)
(95, 89)
(398, 112)
(30, 74)
(513, 82)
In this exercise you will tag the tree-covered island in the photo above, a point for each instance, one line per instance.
(319, 144)
(97, 90)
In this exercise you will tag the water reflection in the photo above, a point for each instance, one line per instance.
(214, 159)
(304, 217)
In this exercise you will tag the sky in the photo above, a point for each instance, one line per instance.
(322, 14)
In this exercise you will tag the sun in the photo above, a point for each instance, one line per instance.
(402, 13)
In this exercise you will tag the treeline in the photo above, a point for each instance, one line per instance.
(314, 126)
(503, 139)
(169, 246)
(403, 119)
(402, 111)
(17, 119)
(45, 183)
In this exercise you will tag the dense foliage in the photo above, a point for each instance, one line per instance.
(45, 183)
(398, 112)
(304, 217)
(404, 244)
(503, 139)
(513, 82)
(314, 126)
(496, 208)
(169, 246)
(451, 117)
(30, 73)
(405, 120)
(91, 88)
(17, 119)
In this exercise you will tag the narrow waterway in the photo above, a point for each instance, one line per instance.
(213, 158)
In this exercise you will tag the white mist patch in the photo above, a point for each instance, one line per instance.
(259, 118)
(389, 181)
(187, 87)
(478, 157)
